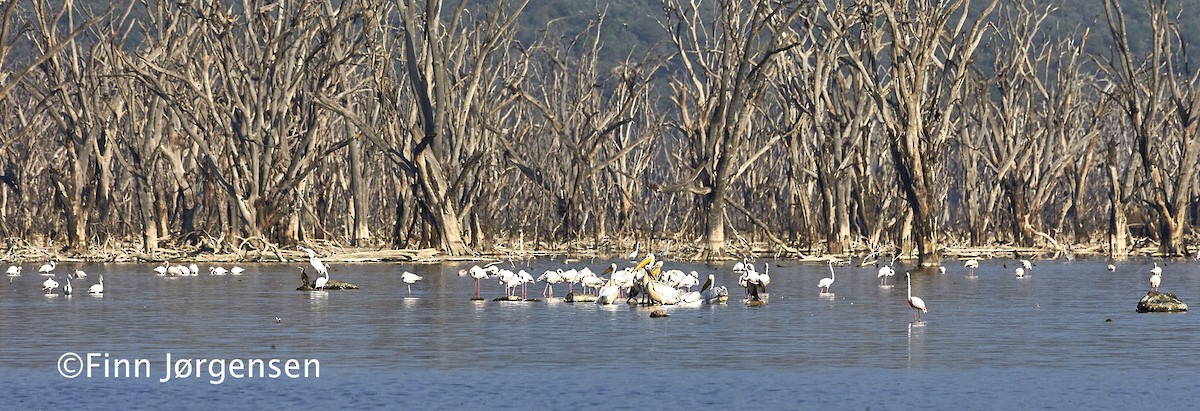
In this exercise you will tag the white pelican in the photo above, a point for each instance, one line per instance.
(14, 271)
(660, 293)
(884, 273)
(162, 269)
(214, 270)
(1155, 277)
(177, 271)
(97, 288)
(1112, 268)
(609, 293)
(410, 279)
(80, 274)
(917, 304)
(1020, 272)
(236, 270)
(551, 278)
(67, 288)
(49, 285)
(713, 294)
(46, 268)
(194, 269)
(827, 281)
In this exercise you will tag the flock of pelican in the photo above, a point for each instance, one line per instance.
(645, 283)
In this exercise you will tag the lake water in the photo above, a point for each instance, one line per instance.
(989, 342)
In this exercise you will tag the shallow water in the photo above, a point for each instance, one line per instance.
(988, 342)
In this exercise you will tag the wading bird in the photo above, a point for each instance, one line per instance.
(320, 267)
(49, 285)
(67, 288)
(98, 288)
(410, 279)
(1155, 277)
(46, 268)
(917, 304)
(827, 281)
(13, 271)
(884, 273)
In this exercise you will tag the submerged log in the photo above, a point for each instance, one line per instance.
(1158, 302)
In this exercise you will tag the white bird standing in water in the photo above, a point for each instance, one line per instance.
(67, 288)
(46, 268)
(49, 285)
(13, 271)
(917, 304)
(80, 274)
(1155, 277)
(320, 267)
(827, 281)
(410, 279)
(884, 273)
(551, 277)
(98, 288)
(1020, 272)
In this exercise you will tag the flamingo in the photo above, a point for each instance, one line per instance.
(477, 273)
(1155, 277)
(917, 304)
(194, 269)
(80, 274)
(236, 270)
(410, 279)
(1112, 268)
(217, 270)
(1020, 272)
(689, 280)
(971, 265)
(551, 278)
(162, 269)
(884, 273)
(49, 285)
(46, 268)
(828, 281)
(14, 271)
(67, 288)
(97, 288)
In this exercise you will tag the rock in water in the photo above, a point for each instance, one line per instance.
(659, 314)
(1156, 302)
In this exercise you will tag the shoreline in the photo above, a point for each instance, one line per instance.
(341, 254)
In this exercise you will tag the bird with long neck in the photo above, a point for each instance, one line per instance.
(827, 281)
(917, 304)
(1155, 277)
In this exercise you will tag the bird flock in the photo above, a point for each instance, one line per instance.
(643, 282)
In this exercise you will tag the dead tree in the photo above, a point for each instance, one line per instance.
(572, 130)
(915, 62)
(1162, 105)
(725, 65)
